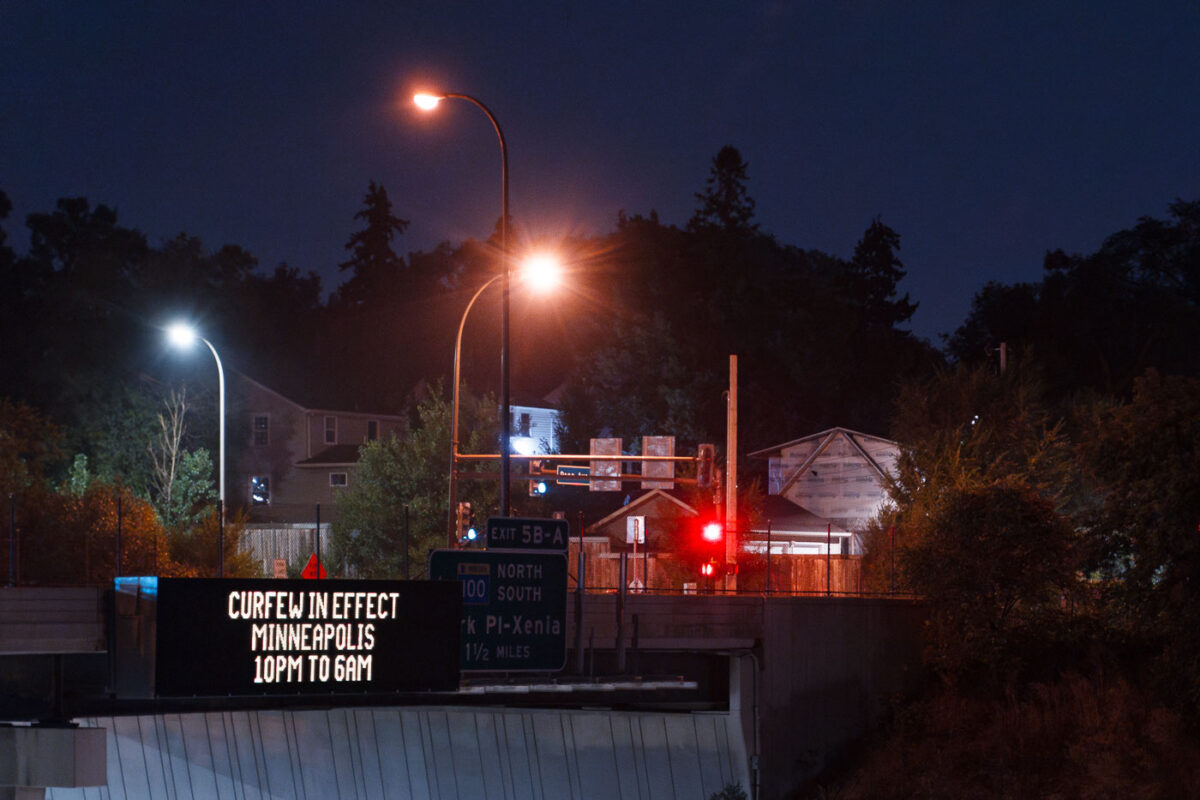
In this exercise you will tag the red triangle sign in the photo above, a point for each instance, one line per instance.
(312, 568)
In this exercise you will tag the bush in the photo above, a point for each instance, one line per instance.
(1074, 738)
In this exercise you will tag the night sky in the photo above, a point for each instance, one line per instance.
(984, 137)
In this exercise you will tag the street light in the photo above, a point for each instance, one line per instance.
(183, 336)
(428, 102)
(541, 272)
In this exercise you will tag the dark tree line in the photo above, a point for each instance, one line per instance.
(1048, 508)
(639, 341)
(1097, 322)
(818, 338)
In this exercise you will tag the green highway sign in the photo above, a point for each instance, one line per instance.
(574, 476)
(516, 533)
(514, 611)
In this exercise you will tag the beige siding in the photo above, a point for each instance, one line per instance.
(840, 484)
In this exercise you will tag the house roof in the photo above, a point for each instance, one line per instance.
(853, 436)
(338, 455)
(310, 410)
(633, 505)
(824, 439)
(788, 517)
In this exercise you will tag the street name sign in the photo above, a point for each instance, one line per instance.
(514, 608)
(573, 476)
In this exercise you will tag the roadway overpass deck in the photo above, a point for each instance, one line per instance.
(789, 680)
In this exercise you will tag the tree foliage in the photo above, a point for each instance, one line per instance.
(29, 447)
(816, 336)
(725, 204)
(1097, 322)
(978, 510)
(182, 488)
(995, 564)
(1142, 458)
(402, 482)
(194, 551)
(375, 267)
(874, 276)
(71, 537)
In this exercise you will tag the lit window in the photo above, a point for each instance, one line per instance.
(372, 430)
(260, 490)
(262, 429)
(331, 430)
(338, 480)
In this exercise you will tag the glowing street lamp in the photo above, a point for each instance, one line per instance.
(183, 336)
(428, 102)
(541, 273)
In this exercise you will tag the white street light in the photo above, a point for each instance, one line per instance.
(183, 336)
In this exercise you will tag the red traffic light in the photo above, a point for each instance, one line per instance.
(712, 532)
(708, 569)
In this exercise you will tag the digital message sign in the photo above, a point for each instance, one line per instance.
(514, 607)
(243, 637)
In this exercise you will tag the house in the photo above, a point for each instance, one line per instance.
(658, 514)
(293, 457)
(790, 529)
(532, 428)
(658, 520)
(834, 478)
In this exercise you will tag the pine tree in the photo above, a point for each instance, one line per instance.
(875, 272)
(724, 204)
(376, 267)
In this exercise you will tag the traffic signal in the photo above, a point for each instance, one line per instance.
(537, 488)
(708, 569)
(704, 465)
(712, 532)
(466, 532)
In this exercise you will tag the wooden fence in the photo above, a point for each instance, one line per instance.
(669, 573)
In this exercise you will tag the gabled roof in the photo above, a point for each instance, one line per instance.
(632, 506)
(853, 436)
(824, 440)
(306, 409)
(263, 387)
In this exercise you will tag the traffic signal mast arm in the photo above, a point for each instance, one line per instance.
(570, 457)
(699, 460)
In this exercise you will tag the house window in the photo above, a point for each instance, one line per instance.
(261, 430)
(523, 425)
(330, 430)
(372, 430)
(338, 480)
(260, 490)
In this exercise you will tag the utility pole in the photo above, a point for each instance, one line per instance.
(731, 516)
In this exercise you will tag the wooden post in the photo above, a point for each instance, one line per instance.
(828, 559)
(768, 557)
(892, 553)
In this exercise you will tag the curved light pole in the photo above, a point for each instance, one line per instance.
(541, 271)
(183, 335)
(428, 102)
(452, 540)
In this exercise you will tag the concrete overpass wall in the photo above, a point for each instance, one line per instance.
(831, 669)
(419, 753)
